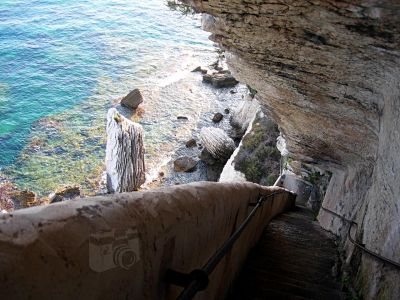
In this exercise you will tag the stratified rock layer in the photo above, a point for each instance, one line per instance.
(328, 73)
(217, 142)
(124, 154)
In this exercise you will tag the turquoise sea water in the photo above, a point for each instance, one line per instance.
(63, 63)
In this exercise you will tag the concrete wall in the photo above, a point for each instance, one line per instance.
(119, 246)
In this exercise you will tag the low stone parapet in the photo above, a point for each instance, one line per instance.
(120, 246)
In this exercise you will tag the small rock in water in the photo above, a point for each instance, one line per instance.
(65, 193)
(207, 78)
(191, 143)
(217, 118)
(223, 80)
(185, 164)
(220, 79)
(233, 91)
(161, 174)
(182, 118)
(198, 69)
(227, 111)
(133, 99)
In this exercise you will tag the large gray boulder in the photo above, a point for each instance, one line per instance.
(124, 154)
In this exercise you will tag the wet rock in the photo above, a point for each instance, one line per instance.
(207, 158)
(207, 78)
(200, 69)
(133, 99)
(185, 164)
(191, 143)
(227, 110)
(220, 79)
(182, 118)
(217, 118)
(64, 193)
(24, 199)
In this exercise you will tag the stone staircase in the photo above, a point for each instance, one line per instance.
(294, 259)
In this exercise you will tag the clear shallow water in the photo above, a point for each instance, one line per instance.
(53, 54)
(63, 64)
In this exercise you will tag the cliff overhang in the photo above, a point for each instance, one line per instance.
(328, 73)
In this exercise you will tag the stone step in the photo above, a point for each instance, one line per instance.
(294, 259)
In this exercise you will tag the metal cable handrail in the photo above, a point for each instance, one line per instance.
(197, 280)
(361, 246)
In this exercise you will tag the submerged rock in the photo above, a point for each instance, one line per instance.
(191, 143)
(217, 118)
(64, 193)
(124, 154)
(133, 99)
(185, 164)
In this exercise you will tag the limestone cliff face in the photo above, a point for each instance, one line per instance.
(328, 72)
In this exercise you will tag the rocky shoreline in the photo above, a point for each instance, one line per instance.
(201, 158)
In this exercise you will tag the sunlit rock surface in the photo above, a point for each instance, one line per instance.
(124, 154)
(328, 73)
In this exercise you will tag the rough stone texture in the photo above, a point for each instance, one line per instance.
(133, 99)
(23, 199)
(217, 142)
(185, 164)
(191, 143)
(65, 193)
(328, 73)
(220, 79)
(217, 117)
(124, 154)
(61, 251)
(286, 264)
(243, 115)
